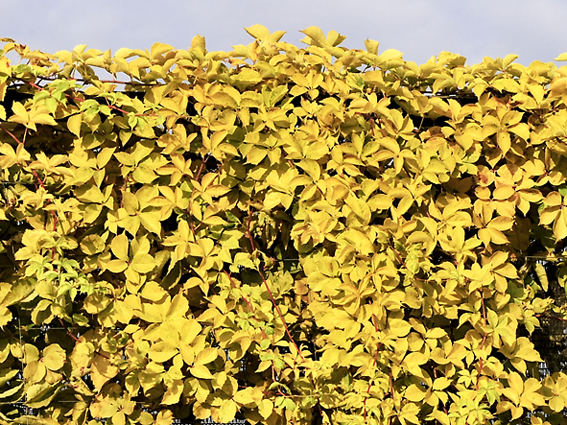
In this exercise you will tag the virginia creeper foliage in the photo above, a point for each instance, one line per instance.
(290, 235)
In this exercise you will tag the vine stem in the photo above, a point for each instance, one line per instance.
(547, 316)
(113, 81)
(53, 215)
(74, 337)
(378, 348)
(403, 263)
(270, 293)
(42, 184)
(280, 315)
(250, 308)
(78, 99)
(190, 206)
(481, 361)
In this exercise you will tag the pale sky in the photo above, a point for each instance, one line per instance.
(419, 28)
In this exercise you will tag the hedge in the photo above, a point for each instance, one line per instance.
(288, 235)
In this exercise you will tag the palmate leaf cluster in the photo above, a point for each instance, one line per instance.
(288, 235)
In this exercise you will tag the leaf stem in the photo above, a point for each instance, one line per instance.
(18, 141)
(271, 295)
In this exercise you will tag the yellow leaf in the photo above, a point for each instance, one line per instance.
(119, 246)
(74, 124)
(558, 86)
(415, 393)
(391, 54)
(119, 418)
(151, 221)
(258, 31)
(206, 356)
(316, 35)
(247, 77)
(5, 316)
(92, 244)
(560, 225)
(201, 372)
(217, 190)
(371, 46)
(173, 393)
(158, 49)
(102, 371)
(164, 417)
(191, 331)
(161, 352)
(265, 408)
(143, 263)
(503, 192)
(153, 291)
(317, 150)
(198, 42)
(441, 383)
(244, 396)
(526, 351)
(548, 215)
(54, 357)
(187, 353)
(20, 114)
(531, 397)
(503, 140)
(217, 137)
(496, 236)
(43, 119)
(225, 413)
(415, 359)
(556, 403)
(116, 266)
(542, 276)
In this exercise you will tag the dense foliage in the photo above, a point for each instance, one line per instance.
(293, 236)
